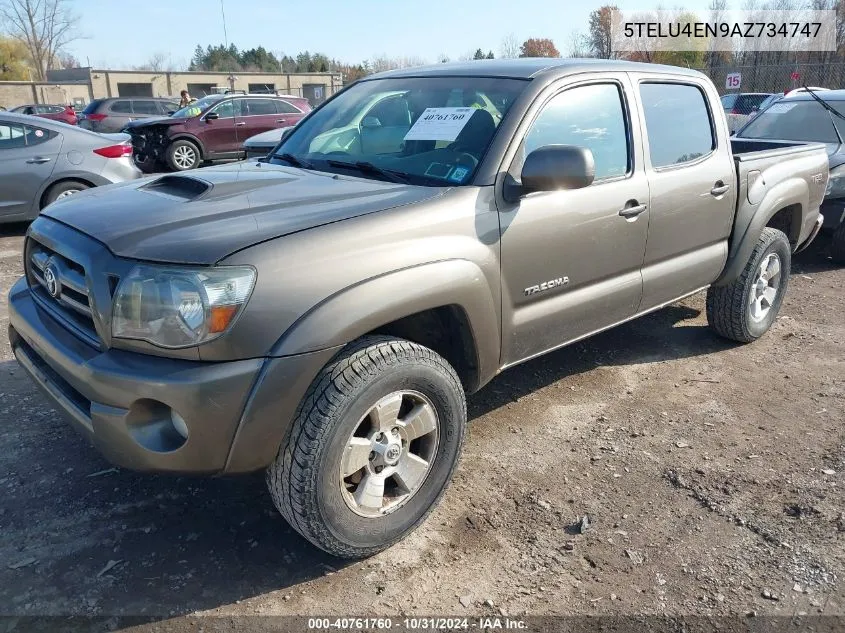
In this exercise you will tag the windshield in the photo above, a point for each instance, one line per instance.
(791, 120)
(196, 107)
(422, 130)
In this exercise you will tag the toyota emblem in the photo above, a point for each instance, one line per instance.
(51, 278)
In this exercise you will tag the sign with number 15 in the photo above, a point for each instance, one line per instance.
(733, 81)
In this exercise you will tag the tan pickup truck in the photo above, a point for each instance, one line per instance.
(322, 313)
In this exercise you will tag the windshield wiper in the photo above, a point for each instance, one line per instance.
(369, 168)
(824, 103)
(293, 160)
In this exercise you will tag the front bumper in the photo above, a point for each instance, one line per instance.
(236, 413)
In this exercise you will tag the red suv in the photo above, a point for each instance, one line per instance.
(213, 128)
(65, 114)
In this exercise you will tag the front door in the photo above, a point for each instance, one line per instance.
(571, 259)
(219, 136)
(28, 156)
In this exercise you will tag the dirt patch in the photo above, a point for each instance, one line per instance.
(711, 476)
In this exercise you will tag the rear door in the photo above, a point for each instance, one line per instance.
(288, 113)
(118, 115)
(27, 158)
(693, 187)
(257, 116)
(571, 259)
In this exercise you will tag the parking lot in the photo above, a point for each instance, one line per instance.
(711, 473)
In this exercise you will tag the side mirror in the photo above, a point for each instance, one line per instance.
(171, 112)
(554, 167)
(212, 116)
(370, 122)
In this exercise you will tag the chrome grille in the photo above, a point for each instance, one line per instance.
(59, 283)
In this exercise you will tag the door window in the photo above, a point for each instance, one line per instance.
(283, 107)
(226, 110)
(122, 107)
(257, 107)
(677, 122)
(144, 107)
(592, 117)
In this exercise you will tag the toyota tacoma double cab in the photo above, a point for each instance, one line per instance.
(321, 313)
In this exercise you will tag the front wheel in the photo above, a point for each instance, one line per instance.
(373, 447)
(745, 309)
(183, 155)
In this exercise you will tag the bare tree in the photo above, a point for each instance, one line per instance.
(157, 63)
(510, 47)
(44, 26)
(579, 45)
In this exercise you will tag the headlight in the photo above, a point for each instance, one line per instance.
(174, 307)
(836, 183)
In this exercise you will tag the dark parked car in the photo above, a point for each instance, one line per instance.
(65, 114)
(213, 128)
(800, 117)
(42, 161)
(112, 115)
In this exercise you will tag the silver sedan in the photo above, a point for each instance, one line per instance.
(42, 161)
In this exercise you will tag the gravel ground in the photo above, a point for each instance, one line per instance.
(711, 475)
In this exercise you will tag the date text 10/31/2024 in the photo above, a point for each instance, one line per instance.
(485, 623)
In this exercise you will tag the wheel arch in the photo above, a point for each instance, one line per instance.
(45, 189)
(784, 208)
(185, 136)
(445, 305)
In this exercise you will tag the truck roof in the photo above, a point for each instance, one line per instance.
(530, 67)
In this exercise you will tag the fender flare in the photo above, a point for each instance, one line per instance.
(364, 307)
(790, 193)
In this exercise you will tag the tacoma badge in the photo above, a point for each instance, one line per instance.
(546, 285)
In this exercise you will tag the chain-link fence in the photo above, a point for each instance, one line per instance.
(776, 77)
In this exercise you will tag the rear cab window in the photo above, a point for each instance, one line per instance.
(678, 123)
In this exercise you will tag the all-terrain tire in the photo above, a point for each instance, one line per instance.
(182, 155)
(729, 306)
(304, 480)
(837, 244)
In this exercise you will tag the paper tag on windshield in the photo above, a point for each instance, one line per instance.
(439, 124)
(780, 108)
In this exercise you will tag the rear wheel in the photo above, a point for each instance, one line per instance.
(63, 190)
(837, 245)
(374, 445)
(745, 309)
(183, 155)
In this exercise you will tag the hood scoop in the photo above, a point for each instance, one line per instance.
(184, 187)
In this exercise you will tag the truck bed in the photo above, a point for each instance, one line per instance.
(745, 149)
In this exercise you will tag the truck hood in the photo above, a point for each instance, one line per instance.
(202, 217)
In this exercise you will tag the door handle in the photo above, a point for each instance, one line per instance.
(38, 160)
(281, 120)
(240, 123)
(632, 212)
(719, 188)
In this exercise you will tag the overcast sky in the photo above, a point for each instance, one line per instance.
(119, 35)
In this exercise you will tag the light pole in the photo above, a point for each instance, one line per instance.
(225, 35)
